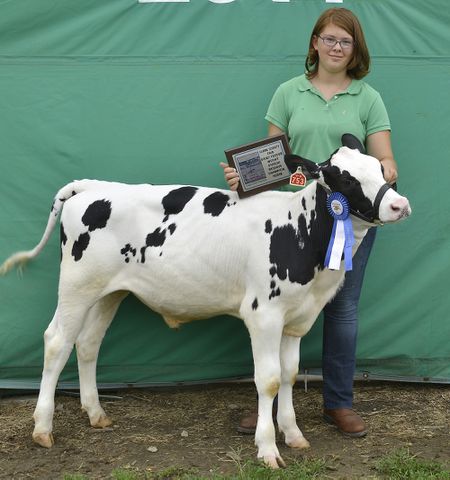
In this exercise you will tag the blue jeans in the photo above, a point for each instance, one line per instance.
(340, 330)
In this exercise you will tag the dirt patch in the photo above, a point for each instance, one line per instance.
(196, 427)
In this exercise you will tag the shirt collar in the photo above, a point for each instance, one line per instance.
(353, 89)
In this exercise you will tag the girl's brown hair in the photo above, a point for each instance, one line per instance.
(359, 64)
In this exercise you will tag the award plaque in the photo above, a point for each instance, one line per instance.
(260, 164)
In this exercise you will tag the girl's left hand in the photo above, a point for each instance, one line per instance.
(390, 171)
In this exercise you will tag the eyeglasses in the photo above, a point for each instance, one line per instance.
(331, 42)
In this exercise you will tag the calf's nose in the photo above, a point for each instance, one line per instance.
(401, 207)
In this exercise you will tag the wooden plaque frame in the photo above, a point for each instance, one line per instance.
(260, 164)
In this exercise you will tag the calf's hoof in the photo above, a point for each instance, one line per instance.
(274, 461)
(299, 442)
(44, 439)
(101, 422)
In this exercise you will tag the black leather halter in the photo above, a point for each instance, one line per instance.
(372, 215)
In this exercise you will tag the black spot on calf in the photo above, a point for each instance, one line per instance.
(268, 228)
(286, 253)
(296, 252)
(215, 203)
(62, 234)
(63, 237)
(349, 186)
(255, 304)
(80, 246)
(274, 293)
(97, 215)
(172, 228)
(155, 239)
(126, 250)
(175, 201)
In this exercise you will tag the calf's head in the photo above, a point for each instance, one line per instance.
(359, 178)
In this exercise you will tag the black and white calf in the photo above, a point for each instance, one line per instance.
(193, 252)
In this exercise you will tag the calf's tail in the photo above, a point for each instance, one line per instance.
(20, 258)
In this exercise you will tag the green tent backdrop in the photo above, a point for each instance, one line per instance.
(154, 92)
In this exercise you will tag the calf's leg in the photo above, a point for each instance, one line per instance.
(59, 339)
(289, 355)
(88, 344)
(265, 332)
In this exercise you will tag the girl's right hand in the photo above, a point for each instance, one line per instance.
(231, 176)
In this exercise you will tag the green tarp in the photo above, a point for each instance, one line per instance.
(154, 92)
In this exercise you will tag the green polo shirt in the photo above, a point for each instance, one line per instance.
(315, 126)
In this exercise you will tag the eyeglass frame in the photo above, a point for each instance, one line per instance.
(336, 41)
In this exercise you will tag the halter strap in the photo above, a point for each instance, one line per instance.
(371, 215)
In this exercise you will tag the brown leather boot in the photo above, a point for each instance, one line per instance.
(247, 425)
(347, 421)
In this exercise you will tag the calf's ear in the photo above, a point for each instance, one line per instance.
(309, 168)
(350, 141)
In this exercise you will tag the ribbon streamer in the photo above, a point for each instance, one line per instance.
(342, 239)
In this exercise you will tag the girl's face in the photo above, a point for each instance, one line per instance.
(334, 59)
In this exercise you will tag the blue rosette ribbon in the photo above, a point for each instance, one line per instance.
(342, 239)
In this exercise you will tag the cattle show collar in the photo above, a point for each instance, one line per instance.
(372, 214)
(340, 246)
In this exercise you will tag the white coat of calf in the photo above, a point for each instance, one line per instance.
(194, 252)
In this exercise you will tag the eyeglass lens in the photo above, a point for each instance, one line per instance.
(331, 42)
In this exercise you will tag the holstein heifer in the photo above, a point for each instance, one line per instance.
(194, 252)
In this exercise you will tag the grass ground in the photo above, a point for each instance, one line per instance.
(399, 465)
